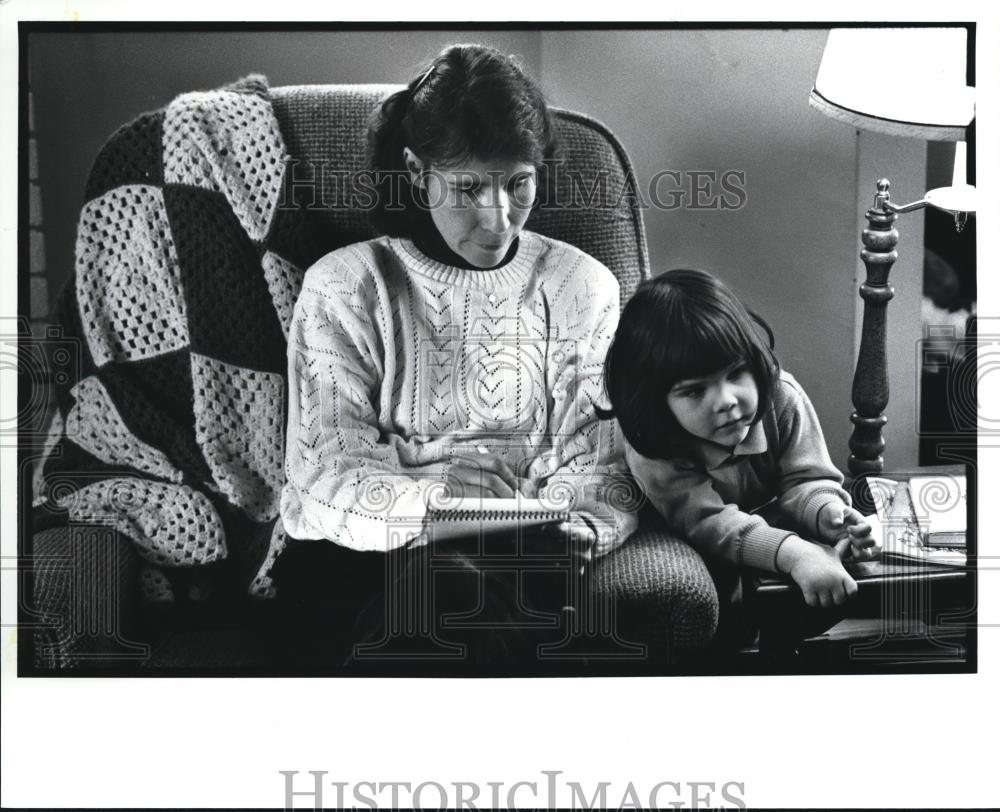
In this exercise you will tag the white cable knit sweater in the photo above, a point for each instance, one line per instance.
(399, 363)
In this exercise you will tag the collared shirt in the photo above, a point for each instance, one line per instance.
(709, 497)
(714, 455)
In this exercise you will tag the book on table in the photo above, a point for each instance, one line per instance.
(939, 505)
(922, 519)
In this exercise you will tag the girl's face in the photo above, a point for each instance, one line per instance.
(719, 407)
(478, 208)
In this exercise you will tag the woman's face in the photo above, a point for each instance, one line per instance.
(478, 208)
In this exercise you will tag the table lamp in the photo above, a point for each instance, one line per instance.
(908, 82)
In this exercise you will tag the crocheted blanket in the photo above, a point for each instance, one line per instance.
(171, 427)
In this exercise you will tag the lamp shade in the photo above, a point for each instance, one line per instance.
(897, 81)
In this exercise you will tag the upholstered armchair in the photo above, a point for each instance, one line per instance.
(163, 561)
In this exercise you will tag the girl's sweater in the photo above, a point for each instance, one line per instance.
(708, 497)
(400, 365)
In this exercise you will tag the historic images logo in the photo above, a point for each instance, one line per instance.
(321, 185)
(547, 791)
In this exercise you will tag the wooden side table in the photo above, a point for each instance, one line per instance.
(903, 602)
(902, 615)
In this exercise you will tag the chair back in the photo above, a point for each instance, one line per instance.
(593, 203)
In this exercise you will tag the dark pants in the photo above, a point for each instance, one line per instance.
(479, 606)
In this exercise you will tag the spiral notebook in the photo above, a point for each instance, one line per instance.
(472, 516)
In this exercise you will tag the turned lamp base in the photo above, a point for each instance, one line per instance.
(870, 390)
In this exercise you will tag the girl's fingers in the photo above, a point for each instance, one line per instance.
(851, 514)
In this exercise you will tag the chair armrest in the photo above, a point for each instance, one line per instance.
(663, 589)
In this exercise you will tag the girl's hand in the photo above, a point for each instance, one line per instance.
(838, 521)
(863, 545)
(817, 570)
(830, 523)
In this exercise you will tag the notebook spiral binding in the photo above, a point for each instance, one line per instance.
(499, 515)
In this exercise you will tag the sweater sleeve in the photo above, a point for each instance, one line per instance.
(694, 509)
(344, 477)
(808, 479)
(587, 460)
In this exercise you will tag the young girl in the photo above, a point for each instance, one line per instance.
(716, 430)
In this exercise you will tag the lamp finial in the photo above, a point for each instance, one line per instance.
(881, 193)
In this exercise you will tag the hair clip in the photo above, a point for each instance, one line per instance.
(423, 79)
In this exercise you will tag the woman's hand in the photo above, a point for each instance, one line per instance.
(818, 570)
(582, 538)
(838, 521)
(484, 475)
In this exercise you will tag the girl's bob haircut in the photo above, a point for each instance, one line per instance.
(680, 325)
(470, 102)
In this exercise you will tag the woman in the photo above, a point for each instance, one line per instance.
(458, 351)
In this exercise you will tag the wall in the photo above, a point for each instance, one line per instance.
(736, 100)
(679, 100)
